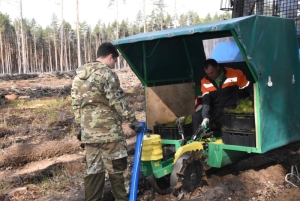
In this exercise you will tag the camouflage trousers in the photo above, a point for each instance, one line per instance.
(110, 157)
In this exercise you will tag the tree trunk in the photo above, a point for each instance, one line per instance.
(89, 48)
(100, 36)
(66, 55)
(1, 52)
(7, 52)
(144, 16)
(50, 58)
(84, 46)
(55, 50)
(73, 54)
(35, 55)
(9, 66)
(70, 61)
(61, 36)
(97, 45)
(22, 40)
(27, 54)
(42, 61)
(78, 35)
(6, 58)
(19, 52)
(175, 14)
(118, 66)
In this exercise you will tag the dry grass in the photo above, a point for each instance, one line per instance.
(67, 177)
(37, 82)
(21, 153)
(50, 103)
(44, 119)
(63, 178)
(39, 112)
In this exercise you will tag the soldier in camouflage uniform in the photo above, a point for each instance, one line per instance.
(99, 107)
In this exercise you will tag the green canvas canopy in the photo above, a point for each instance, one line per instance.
(270, 51)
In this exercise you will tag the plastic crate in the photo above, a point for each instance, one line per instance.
(171, 132)
(239, 122)
(241, 138)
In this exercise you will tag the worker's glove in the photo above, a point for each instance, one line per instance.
(136, 126)
(205, 123)
(79, 135)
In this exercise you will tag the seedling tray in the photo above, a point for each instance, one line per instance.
(239, 122)
(241, 138)
(171, 132)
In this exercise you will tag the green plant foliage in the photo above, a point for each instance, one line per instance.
(19, 104)
(4, 186)
(171, 123)
(224, 128)
(187, 120)
(244, 106)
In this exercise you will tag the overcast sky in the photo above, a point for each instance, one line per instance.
(93, 10)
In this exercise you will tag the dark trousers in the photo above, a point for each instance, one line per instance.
(215, 120)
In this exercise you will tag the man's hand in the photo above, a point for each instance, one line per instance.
(136, 126)
(79, 134)
(205, 123)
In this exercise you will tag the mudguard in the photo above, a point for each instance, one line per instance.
(186, 148)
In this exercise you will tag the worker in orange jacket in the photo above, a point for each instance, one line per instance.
(221, 88)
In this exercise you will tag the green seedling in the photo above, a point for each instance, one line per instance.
(244, 106)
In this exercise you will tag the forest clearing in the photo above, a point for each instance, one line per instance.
(41, 158)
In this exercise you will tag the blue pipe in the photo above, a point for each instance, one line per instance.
(136, 165)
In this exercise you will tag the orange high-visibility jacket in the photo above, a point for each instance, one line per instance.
(224, 96)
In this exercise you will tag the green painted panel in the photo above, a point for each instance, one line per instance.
(270, 49)
(146, 168)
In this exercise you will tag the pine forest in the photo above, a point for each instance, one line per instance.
(26, 47)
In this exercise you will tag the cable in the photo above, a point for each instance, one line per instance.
(292, 174)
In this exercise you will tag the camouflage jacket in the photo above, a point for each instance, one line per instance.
(98, 103)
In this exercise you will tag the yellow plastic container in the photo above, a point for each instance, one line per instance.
(152, 148)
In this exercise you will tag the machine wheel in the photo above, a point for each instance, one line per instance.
(175, 186)
(192, 175)
(187, 172)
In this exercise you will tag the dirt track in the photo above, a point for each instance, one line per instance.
(37, 144)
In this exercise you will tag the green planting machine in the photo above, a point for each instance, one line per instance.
(169, 65)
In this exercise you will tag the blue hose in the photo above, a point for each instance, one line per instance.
(136, 165)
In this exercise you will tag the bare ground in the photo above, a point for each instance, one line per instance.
(40, 159)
